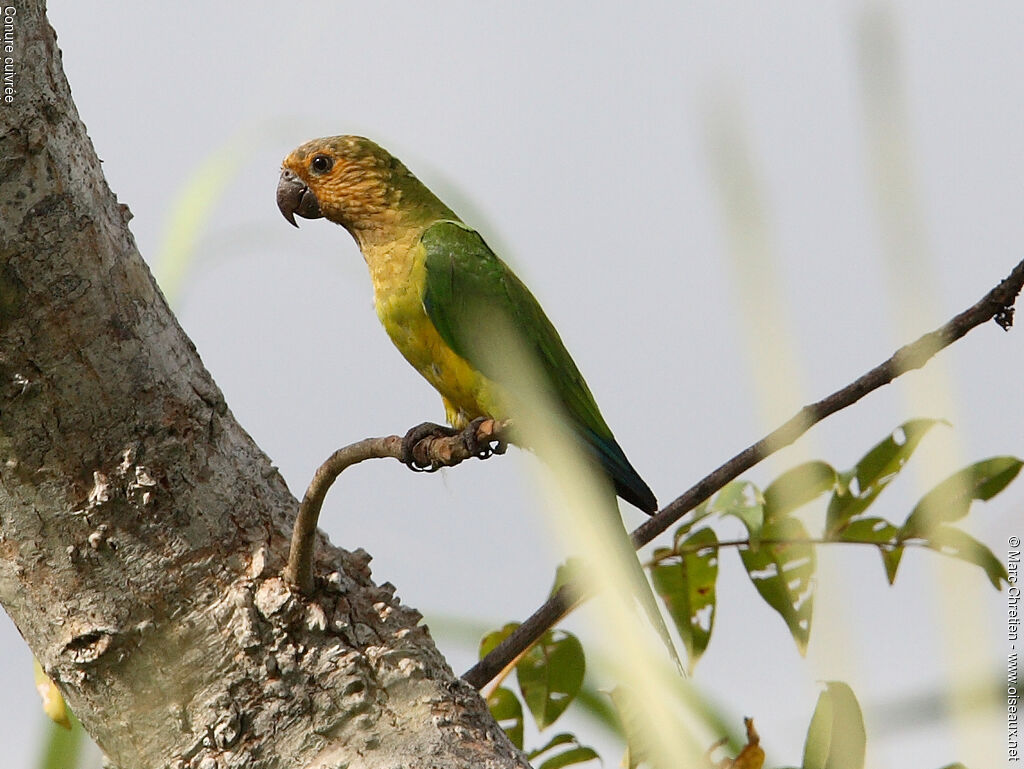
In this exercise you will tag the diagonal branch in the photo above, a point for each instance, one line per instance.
(997, 304)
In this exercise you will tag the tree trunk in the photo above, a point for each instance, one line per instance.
(142, 531)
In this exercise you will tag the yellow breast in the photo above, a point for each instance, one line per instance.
(399, 275)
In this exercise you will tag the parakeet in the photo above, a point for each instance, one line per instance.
(431, 273)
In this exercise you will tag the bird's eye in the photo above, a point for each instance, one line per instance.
(321, 164)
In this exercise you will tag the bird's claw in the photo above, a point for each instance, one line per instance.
(417, 434)
(476, 447)
(481, 449)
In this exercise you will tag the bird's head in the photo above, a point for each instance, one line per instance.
(347, 179)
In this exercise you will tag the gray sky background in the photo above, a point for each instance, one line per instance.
(587, 142)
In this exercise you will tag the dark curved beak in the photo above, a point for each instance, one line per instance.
(294, 197)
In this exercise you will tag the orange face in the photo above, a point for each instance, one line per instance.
(345, 179)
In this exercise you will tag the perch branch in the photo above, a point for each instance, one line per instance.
(431, 451)
(997, 304)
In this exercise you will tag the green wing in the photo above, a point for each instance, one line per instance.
(465, 278)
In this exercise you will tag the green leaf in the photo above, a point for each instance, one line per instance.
(875, 530)
(887, 458)
(891, 558)
(798, 486)
(561, 738)
(745, 501)
(784, 575)
(951, 500)
(860, 487)
(506, 710)
(550, 675)
(686, 584)
(959, 544)
(835, 737)
(662, 553)
(576, 754)
(495, 637)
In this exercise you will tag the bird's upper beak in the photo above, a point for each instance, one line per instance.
(294, 197)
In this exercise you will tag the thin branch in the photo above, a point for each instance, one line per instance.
(996, 305)
(428, 452)
(694, 547)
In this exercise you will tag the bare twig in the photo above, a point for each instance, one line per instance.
(996, 305)
(429, 452)
(694, 547)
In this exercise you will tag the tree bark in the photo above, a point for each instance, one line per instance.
(142, 532)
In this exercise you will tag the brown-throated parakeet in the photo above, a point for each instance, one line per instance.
(432, 278)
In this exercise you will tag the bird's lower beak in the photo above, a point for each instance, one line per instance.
(294, 197)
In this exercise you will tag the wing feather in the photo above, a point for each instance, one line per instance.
(464, 278)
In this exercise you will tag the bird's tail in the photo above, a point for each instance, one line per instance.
(628, 483)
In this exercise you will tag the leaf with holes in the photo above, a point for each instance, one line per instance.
(686, 583)
(575, 753)
(798, 486)
(951, 500)
(550, 675)
(959, 544)
(878, 531)
(745, 501)
(782, 570)
(836, 738)
(508, 712)
(859, 487)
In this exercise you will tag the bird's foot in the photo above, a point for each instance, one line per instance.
(417, 434)
(476, 447)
